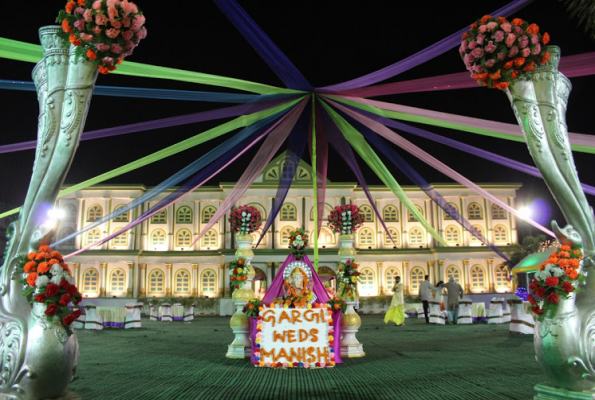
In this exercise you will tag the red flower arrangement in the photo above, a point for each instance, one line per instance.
(245, 219)
(46, 277)
(346, 219)
(238, 272)
(298, 241)
(556, 279)
(496, 51)
(347, 277)
(103, 30)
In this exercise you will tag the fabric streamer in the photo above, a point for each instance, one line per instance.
(264, 46)
(426, 54)
(433, 162)
(321, 144)
(356, 140)
(312, 145)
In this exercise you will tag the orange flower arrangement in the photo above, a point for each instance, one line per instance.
(238, 273)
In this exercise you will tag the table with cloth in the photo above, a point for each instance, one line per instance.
(412, 308)
(113, 317)
(478, 312)
(177, 313)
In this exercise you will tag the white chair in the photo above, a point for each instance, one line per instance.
(520, 321)
(153, 316)
(420, 312)
(133, 315)
(437, 316)
(166, 312)
(465, 312)
(92, 320)
(79, 323)
(505, 312)
(189, 313)
(495, 312)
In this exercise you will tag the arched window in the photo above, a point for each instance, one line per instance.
(395, 235)
(365, 237)
(208, 280)
(500, 234)
(288, 169)
(325, 237)
(479, 231)
(121, 240)
(452, 209)
(288, 212)
(416, 236)
(411, 217)
(256, 236)
(390, 277)
(453, 272)
(284, 236)
(452, 234)
(156, 281)
(183, 238)
(210, 239)
(182, 281)
(160, 217)
(91, 281)
(95, 212)
(184, 215)
(302, 174)
(368, 213)
(498, 212)
(70, 213)
(124, 217)
(94, 235)
(207, 214)
(366, 286)
(327, 210)
(117, 281)
(390, 214)
(501, 274)
(474, 211)
(478, 277)
(65, 232)
(158, 238)
(417, 277)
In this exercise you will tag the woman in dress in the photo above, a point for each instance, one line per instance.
(396, 313)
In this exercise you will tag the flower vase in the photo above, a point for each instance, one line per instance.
(244, 241)
(346, 251)
(240, 322)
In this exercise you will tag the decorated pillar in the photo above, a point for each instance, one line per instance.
(102, 279)
(129, 291)
(195, 280)
(467, 276)
(168, 272)
(143, 279)
(406, 278)
(491, 277)
(350, 321)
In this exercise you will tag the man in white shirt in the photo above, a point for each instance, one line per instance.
(425, 295)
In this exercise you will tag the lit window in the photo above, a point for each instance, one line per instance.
(91, 281)
(327, 211)
(452, 209)
(207, 214)
(395, 235)
(288, 169)
(500, 234)
(453, 272)
(325, 237)
(158, 238)
(478, 277)
(182, 281)
(93, 236)
(452, 234)
(390, 214)
(156, 281)
(160, 217)
(479, 232)
(417, 277)
(184, 215)
(474, 211)
(501, 273)
(120, 240)
(416, 236)
(368, 213)
(183, 238)
(366, 286)
(210, 239)
(498, 212)
(366, 237)
(118, 281)
(288, 212)
(411, 217)
(95, 212)
(124, 217)
(391, 275)
(208, 281)
(285, 233)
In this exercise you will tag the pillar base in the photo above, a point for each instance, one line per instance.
(352, 350)
(238, 351)
(547, 392)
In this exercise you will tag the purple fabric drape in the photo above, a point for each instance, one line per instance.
(570, 66)
(419, 58)
(264, 46)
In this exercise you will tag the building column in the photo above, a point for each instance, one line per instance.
(467, 277)
(143, 279)
(441, 271)
(102, 279)
(432, 271)
(269, 274)
(168, 271)
(194, 283)
(129, 291)
(75, 274)
(491, 276)
(405, 278)
(227, 281)
(221, 280)
(381, 283)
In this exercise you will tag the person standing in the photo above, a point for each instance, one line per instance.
(455, 292)
(425, 295)
(396, 312)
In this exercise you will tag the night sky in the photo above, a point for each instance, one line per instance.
(329, 42)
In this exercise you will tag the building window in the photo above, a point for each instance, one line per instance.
(498, 212)
(452, 234)
(474, 211)
(124, 217)
(327, 210)
(95, 212)
(288, 212)
(70, 212)
(390, 214)
(395, 235)
(284, 235)
(184, 215)
(416, 236)
(478, 230)
(368, 213)
(210, 239)
(500, 234)
(183, 238)
(208, 282)
(160, 217)
(93, 236)
(411, 217)
(450, 209)
(391, 275)
(118, 281)
(207, 214)
(182, 281)
(365, 238)
(256, 236)
(272, 174)
(325, 237)
(158, 238)
(501, 274)
(91, 281)
(288, 169)
(65, 232)
(302, 174)
(367, 282)
(453, 272)
(121, 240)
(417, 277)
(156, 281)
(478, 277)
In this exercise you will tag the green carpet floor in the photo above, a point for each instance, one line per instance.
(179, 360)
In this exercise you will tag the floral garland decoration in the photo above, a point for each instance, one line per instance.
(104, 30)
(346, 219)
(496, 51)
(238, 272)
(46, 277)
(557, 278)
(245, 219)
(298, 241)
(336, 303)
(252, 307)
(348, 276)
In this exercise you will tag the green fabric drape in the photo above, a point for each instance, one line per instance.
(314, 188)
(357, 141)
(28, 52)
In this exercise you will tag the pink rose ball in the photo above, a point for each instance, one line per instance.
(85, 37)
(80, 24)
(102, 47)
(107, 60)
(100, 19)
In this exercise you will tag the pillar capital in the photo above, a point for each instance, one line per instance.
(430, 264)
(168, 266)
(102, 265)
(441, 263)
(142, 266)
(194, 266)
(405, 264)
(222, 266)
(490, 262)
(380, 264)
(130, 265)
(466, 262)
